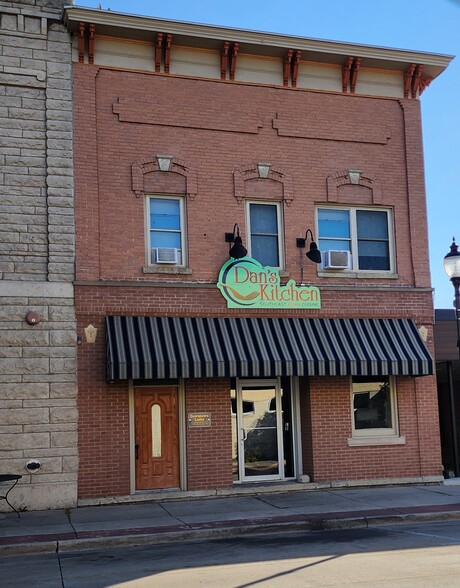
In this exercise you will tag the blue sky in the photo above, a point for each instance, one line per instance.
(424, 25)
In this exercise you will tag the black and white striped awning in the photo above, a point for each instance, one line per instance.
(176, 347)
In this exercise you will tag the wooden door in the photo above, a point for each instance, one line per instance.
(156, 438)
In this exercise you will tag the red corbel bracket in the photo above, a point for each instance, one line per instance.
(416, 80)
(92, 31)
(408, 74)
(423, 85)
(224, 60)
(295, 68)
(81, 42)
(168, 52)
(354, 74)
(287, 66)
(158, 47)
(346, 69)
(236, 47)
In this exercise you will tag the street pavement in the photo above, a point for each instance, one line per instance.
(189, 518)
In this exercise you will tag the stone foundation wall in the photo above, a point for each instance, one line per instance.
(38, 414)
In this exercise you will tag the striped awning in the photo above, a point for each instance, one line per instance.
(177, 347)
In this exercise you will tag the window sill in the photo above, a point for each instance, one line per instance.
(167, 269)
(358, 275)
(377, 440)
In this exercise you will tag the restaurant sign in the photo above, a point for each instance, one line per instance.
(245, 283)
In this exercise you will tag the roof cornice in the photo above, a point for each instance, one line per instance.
(115, 20)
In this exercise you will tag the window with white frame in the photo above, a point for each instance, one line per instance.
(165, 230)
(364, 235)
(373, 404)
(264, 233)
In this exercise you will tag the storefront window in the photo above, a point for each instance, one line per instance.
(373, 407)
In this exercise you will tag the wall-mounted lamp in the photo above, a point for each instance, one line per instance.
(238, 250)
(314, 254)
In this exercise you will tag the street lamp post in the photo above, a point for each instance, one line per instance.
(452, 269)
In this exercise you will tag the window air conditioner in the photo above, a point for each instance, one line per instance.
(338, 260)
(165, 255)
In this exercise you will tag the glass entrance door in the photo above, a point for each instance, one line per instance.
(259, 430)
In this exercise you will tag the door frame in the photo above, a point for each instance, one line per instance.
(181, 422)
(295, 423)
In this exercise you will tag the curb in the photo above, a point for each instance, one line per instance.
(139, 539)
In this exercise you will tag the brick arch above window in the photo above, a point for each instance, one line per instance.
(262, 171)
(353, 177)
(163, 163)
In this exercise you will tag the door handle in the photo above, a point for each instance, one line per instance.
(245, 436)
(136, 449)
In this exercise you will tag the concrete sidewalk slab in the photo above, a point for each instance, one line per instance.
(210, 517)
(46, 522)
(314, 502)
(380, 497)
(219, 509)
(147, 510)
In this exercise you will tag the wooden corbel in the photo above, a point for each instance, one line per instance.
(168, 52)
(354, 74)
(158, 48)
(92, 31)
(416, 80)
(408, 74)
(236, 47)
(295, 68)
(224, 60)
(346, 69)
(423, 85)
(287, 66)
(81, 42)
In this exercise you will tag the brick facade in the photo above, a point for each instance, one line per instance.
(216, 132)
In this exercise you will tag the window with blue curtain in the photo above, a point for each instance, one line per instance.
(373, 242)
(363, 232)
(264, 233)
(334, 229)
(165, 223)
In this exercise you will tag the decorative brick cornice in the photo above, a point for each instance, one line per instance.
(352, 177)
(163, 163)
(264, 171)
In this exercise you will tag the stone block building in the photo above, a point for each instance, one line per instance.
(38, 413)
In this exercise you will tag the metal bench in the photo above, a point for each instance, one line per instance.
(13, 479)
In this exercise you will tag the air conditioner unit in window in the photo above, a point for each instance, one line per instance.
(337, 260)
(165, 255)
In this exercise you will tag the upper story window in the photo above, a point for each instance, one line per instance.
(358, 239)
(166, 232)
(264, 238)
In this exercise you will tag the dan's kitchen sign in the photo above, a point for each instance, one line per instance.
(245, 283)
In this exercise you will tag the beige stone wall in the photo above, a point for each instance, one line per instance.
(38, 414)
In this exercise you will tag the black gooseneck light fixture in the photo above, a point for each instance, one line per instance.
(238, 250)
(313, 254)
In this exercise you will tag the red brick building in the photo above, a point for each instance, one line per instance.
(207, 372)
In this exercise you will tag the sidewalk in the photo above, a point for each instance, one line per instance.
(204, 518)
